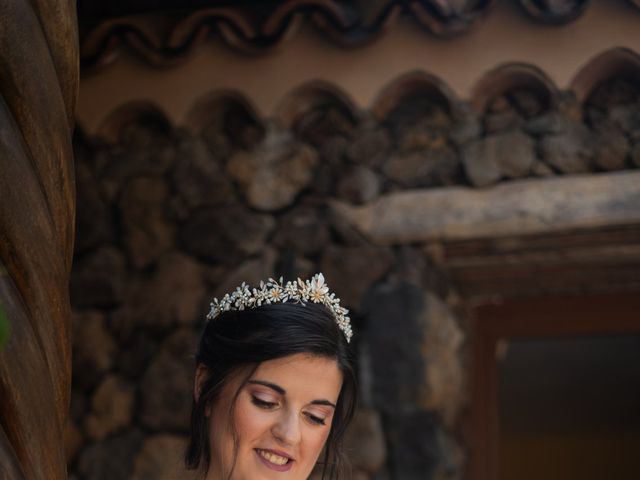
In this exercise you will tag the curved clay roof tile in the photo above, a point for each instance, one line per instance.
(555, 12)
(312, 95)
(617, 61)
(112, 125)
(508, 76)
(410, 85)
(318, 94)
(212, 107)
(448, 17)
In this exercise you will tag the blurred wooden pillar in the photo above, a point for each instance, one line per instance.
(38, 88)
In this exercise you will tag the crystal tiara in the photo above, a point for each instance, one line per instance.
(314, 290)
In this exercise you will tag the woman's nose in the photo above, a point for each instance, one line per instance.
(287, 428)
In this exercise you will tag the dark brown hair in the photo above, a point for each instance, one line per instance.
(238, 341)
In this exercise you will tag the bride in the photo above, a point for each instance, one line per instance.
(274, 384)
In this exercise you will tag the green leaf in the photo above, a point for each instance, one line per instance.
(4, 327)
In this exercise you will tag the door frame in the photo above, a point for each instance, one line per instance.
(529, 318)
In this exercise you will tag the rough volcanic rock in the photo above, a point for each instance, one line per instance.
(443, 389)
(78, 405)
(146, 131)
(303, 230)
(316, 474)
(332, 155)
(344, 232)
(467, 126)
(146, 232)
(94, 349)
(73, 440)
(429, 371)
(227, 234)
(541, 169)
(324, 181)
(425, 168)
(111, 407)
(98, 280)
(423, 139)
(243, 129)
(635, 154)
(452, 457)
(412, 436)
(317, 125)
(418, 268)
(110, 459)
(499, 104)
(122, 162)
(614, 92)
(162, 458)
(370, 145)
(526, 102)
(334, 150)
(352, 270)
(547, 124)
(502, 122)
(94, 217)
(174, 295)
(291, 266)
(166, 389)
(274, 173)
(359, 185)
(502, 155)
(217, 142)
(611, 148)
(627, 118)
(409, 335)
(566, 112)
(365, 441)
(393, 343)
(251, 272)
(501, 116)
(570, 151)
(415, 114)
(198, 176)
(134, 357)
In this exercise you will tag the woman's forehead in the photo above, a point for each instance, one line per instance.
(302, 373)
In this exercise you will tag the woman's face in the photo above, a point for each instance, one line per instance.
(282, 418)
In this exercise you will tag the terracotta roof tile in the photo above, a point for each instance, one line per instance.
(169, 36)
(216, 106)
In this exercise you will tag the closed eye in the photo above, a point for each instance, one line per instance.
(263, 404)
(314, 419)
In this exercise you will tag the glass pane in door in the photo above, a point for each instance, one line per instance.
(569, 408)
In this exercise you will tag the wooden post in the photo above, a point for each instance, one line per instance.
(38, 88)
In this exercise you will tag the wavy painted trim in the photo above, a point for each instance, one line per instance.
(339, 22)
(342, 24)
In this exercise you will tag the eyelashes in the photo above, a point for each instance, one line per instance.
(262, 403)
(271, 405)
(314, 419)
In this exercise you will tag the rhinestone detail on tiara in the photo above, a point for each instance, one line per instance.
(314, 290)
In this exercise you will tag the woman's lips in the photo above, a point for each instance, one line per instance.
(263, 453)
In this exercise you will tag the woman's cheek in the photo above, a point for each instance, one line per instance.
(251, 421)
(317, 437)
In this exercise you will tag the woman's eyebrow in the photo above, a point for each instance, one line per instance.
(323, 402)
(270, 385)
(282, 391)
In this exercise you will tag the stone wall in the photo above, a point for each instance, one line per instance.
(169, 217)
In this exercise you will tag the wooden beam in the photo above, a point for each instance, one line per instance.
(516, 208)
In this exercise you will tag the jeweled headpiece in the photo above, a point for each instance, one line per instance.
(314, 290)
